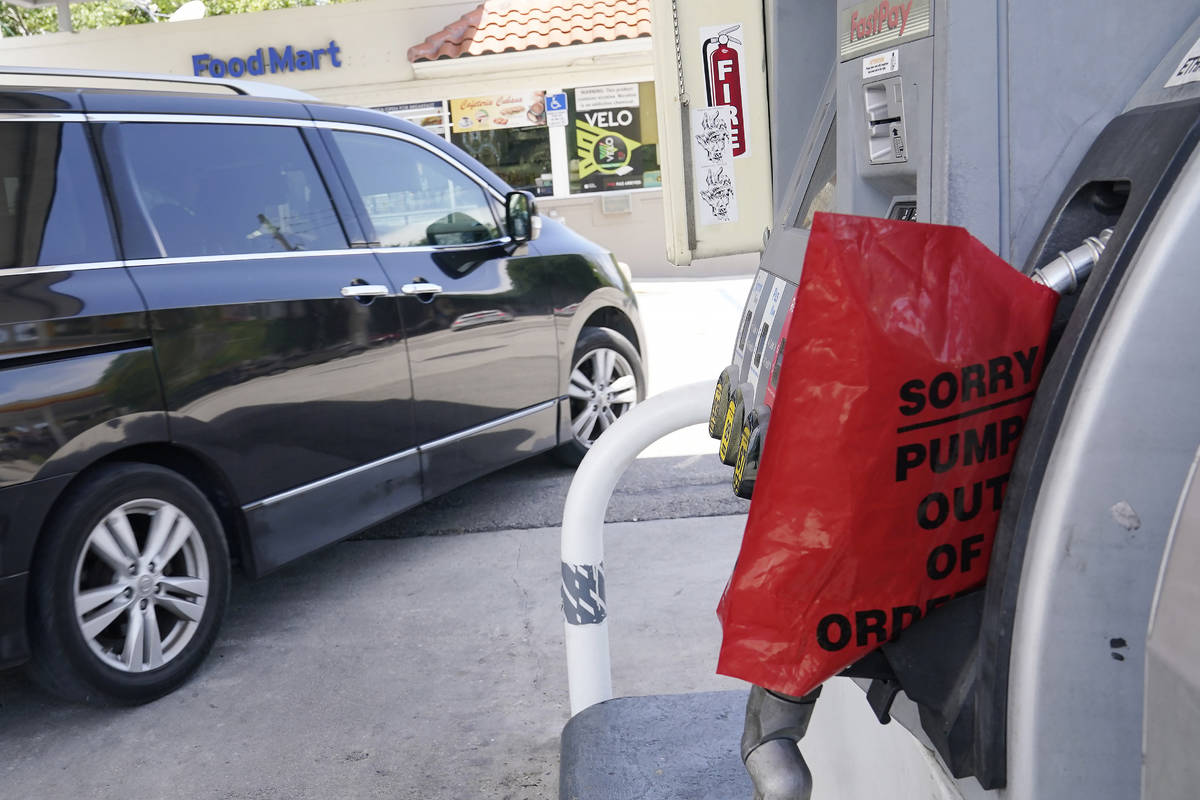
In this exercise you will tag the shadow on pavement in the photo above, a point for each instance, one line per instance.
(531, 495)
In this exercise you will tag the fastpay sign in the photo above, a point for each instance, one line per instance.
(724, 60)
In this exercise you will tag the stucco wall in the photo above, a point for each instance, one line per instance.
(637, 236)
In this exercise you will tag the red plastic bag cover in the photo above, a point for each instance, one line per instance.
(911, 362)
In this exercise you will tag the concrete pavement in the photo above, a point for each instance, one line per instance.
(417, 668)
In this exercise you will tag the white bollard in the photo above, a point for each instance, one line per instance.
(589, 670)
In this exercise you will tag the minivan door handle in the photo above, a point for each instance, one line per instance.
(364, 290)
(420, 288)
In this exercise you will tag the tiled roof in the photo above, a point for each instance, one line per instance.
(506, 26)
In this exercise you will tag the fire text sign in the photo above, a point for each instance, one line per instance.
(724, 78)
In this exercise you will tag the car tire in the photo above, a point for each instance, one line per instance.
(606, 380)
(128, 588)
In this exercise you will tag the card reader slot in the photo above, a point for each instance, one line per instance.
(884, 101)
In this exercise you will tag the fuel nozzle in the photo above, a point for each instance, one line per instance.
(775, 724)
(1067, 272)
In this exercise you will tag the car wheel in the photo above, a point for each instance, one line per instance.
(606, 380)
(129, 586)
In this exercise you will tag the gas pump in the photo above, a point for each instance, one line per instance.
(1064, 137)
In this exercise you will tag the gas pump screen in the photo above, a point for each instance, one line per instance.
(911, 363)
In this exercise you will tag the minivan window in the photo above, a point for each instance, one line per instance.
(413, 197)
(51, 206)
(213, 189)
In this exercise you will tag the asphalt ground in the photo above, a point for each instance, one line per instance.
(425, 659)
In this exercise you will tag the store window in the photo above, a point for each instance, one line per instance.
(612, 137)
(508, 134)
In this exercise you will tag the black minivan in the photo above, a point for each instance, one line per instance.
(236, 328)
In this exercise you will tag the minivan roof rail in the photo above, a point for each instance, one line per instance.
(248, 88)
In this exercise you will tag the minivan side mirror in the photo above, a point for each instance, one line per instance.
(521, 217)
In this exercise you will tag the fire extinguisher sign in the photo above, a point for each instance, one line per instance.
(724, 78)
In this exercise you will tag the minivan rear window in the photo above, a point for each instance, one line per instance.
(52, 211)
(212, 189)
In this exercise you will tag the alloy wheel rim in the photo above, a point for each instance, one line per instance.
(602, 388)
(140, 585)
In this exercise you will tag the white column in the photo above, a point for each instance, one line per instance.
(560, 157)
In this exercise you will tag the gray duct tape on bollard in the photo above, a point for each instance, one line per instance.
(583, 594)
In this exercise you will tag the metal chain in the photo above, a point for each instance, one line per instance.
(683, 98)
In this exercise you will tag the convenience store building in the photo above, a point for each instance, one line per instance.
(556, 96)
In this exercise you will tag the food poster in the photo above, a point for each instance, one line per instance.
(498, 112)
(431, 116)
(614, 133)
